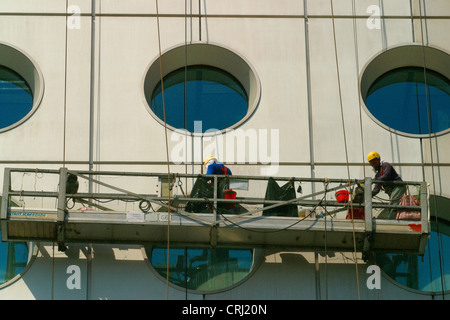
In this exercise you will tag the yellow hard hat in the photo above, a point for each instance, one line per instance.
(208, 159)
(373, 155)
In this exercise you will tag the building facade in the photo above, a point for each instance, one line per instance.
(303, 88)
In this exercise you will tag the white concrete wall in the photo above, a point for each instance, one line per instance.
(271, 35)
(122, 272)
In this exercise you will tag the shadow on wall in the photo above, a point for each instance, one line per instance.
(112, 273)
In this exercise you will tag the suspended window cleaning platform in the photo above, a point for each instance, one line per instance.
(262, 214)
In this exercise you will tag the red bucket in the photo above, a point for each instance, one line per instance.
(358, 213)
(342, 196)
(229, 194)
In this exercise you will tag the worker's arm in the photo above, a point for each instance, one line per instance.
(386, 172)
(376, 189)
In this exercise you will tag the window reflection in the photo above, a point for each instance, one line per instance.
(202, 269)
(16, 99)
(430, 272)
(404, 100)
(210, 95)
(13, 259)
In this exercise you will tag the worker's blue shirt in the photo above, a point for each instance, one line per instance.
(218, 168)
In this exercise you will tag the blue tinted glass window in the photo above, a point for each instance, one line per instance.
(13, 259)
(430, 272)
(16, 99)
(203, 269)
(200, 93)
(402, 100)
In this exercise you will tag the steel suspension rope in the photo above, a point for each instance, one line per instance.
(65, 88)
(430, 135)
(355, 41)
(345, 139)
(167, 148)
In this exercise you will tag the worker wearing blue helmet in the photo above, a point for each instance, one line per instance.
(213, 166)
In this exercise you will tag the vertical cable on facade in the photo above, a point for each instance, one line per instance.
(167, 148)
(355, 41)
(343, 129)
(430, 130)
(65, 88)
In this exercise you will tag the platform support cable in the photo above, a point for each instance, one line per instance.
(61, 210)
(167, 147)
(427, 99)
(65, 87)
(325, 240)
(5, 203)
(140, 197)
(53, 272)
(185, 89)
(344, 134)
(355, 41)
(282, 203)
(215, 201)
(269, 231)
(368, 217)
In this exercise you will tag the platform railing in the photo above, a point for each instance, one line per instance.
(170, 203)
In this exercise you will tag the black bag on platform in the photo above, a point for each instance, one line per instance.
(285, 192)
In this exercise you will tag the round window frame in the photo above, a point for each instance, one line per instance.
(406, 288)
(33, 250)
(258, 258)
(208, 54)
(20, 62)
(405, 55)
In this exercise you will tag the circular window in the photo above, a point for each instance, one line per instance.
(408, 92)
(205, 87)
(203, 270)
(15, 97)
(21, 87)
(200, 93)
(404, 101)
(13, 259)
(430, 272)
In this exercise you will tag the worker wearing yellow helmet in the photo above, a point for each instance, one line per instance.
(213, 166)
(373, 155)
(384, 171)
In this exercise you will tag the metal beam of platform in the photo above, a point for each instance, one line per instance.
(248, 229)
(257, 232)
